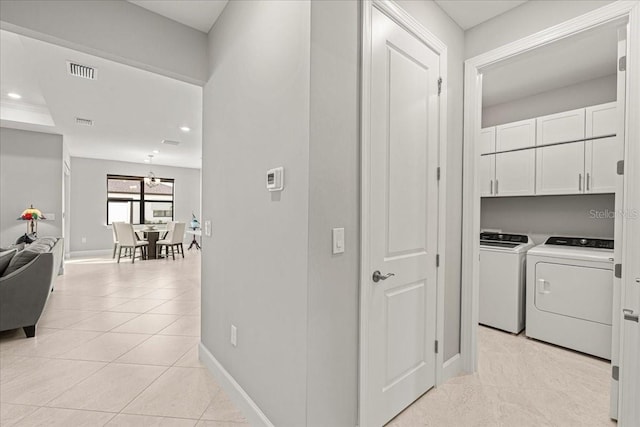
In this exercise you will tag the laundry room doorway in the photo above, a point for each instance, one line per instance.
(547, 140)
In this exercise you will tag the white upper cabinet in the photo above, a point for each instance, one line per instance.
(488, 140)
(560, 169)
(515, 173)
(486, 175)
(601, 120)
(513, 136)
(601, 158)
(561, 127)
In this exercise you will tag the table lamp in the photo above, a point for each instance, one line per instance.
(32, 215)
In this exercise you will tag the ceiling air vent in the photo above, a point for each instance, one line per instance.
(169, 142)
(83, 71)
(84, 122)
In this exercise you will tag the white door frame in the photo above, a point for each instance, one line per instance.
(402, 18)
(472, 124)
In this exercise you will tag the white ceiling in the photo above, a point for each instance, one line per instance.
(133, 110)
(469, 13)
(580, 58)
(198, 14)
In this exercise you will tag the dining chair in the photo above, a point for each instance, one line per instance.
(116, 243)
(127, 239)
(174, 240)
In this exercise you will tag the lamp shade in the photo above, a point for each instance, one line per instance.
(30, 214)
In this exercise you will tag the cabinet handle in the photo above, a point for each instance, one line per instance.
(588, 181)
(491, 187)
(579, 182)
(496, 186)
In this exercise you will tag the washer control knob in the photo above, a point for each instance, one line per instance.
(583, 241)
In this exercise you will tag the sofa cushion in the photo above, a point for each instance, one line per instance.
(20, 259)
(51, 241)
(38, 247)
(5, 259)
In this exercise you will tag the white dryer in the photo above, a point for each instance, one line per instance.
(502, 280)
(570, 294)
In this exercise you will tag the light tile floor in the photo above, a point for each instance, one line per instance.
(116, 346)
(519, 383)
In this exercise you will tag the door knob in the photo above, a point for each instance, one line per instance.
(377, 276)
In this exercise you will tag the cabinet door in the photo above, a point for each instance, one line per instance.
(561, 127)
(488, 140)
(560, 169)
(601, 120)
(601, 160)
(515, 173)
(486, 174)
(516, 135)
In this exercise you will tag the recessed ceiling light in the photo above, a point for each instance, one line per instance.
(185, 128)
(16, 96)
(156, 152)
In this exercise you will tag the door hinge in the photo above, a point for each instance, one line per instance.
(437, 260)
(439, 85)
(618, 270)
(615, 372)
(622, 63)
(620, 167)
(438, 173)
(436, 347)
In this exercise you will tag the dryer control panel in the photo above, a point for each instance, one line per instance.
(581, 242)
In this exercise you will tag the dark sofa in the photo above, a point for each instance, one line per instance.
(26, 281)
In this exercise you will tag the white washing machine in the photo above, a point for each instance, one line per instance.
(502, 280)
(570, 294)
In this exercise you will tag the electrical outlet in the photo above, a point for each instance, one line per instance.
(84, 240)
(207, 228)
(234, 336)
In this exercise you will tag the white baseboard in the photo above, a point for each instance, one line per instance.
(248, 407)
(96, 253)
(452, 368)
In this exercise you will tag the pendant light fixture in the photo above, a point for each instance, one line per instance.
(151, 180)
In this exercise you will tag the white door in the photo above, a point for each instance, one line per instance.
(561, 127)
(560, 169)
(601, 158)
(487, 174)
(512, 136)
(515, 173)
(403, 219)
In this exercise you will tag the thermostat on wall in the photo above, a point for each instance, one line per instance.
(275, 179)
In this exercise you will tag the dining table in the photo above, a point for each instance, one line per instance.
(151, 235)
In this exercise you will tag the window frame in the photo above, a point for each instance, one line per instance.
(142, 200)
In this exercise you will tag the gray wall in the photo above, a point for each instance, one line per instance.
(30, 173)
(254, 269)
(543, 216)
(88, 199)
(116, 30)
(522, 21)
(584, 94)
(334, 183)
(436, 21)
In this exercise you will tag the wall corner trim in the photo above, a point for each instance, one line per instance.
(452, 368)
(236, 393)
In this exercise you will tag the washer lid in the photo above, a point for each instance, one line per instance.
(572, 252)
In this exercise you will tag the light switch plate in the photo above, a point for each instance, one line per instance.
(338, 240)
(207, 228)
